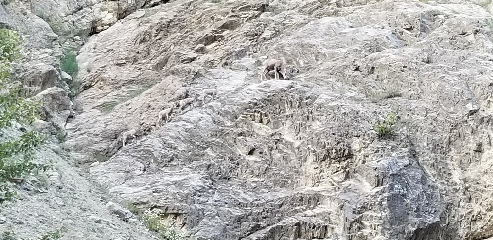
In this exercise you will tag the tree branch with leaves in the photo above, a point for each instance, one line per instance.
(17, 151)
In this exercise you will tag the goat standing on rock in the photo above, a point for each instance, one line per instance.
(275, 65)
(208, 94)
(130, 134)
(165, 115)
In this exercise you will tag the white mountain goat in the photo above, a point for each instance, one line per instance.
(129, 134)
(275, 65)
(165, 115)
(209, 93)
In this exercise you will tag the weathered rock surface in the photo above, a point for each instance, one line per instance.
(63, 199)
(51, 27)
(40, 77)
(237, 158)
(119, 211)
(295, 159)
(56, 106)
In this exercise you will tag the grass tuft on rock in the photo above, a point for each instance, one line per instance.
(386, 128)
(154, 223)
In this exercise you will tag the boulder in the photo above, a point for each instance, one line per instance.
(39, 78)
(55, 106)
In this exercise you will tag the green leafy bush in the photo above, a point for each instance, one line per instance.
(386, 128)
(69, 63)
(9, 47)
(16, 152)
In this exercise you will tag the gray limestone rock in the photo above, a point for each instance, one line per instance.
(39, 78)
(55, 107)
(66, 77)
(298, 158)
(119, 211)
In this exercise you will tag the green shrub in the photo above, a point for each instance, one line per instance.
(9, 47)
(134, 209)
(16, 152)
(69, 64)
(386, 128)
(154, 223)
(8, 235)
(54, 235)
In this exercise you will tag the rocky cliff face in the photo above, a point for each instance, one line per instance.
(239, 158)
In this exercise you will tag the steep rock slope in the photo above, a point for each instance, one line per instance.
(61, 198)
(297, 158)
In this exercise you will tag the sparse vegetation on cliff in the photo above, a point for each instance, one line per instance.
(386, 127)
(69, 63)
(16, 146)
(154, 223)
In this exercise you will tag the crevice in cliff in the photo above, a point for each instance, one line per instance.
(123, 13)
(151, 3)
(432, 231)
